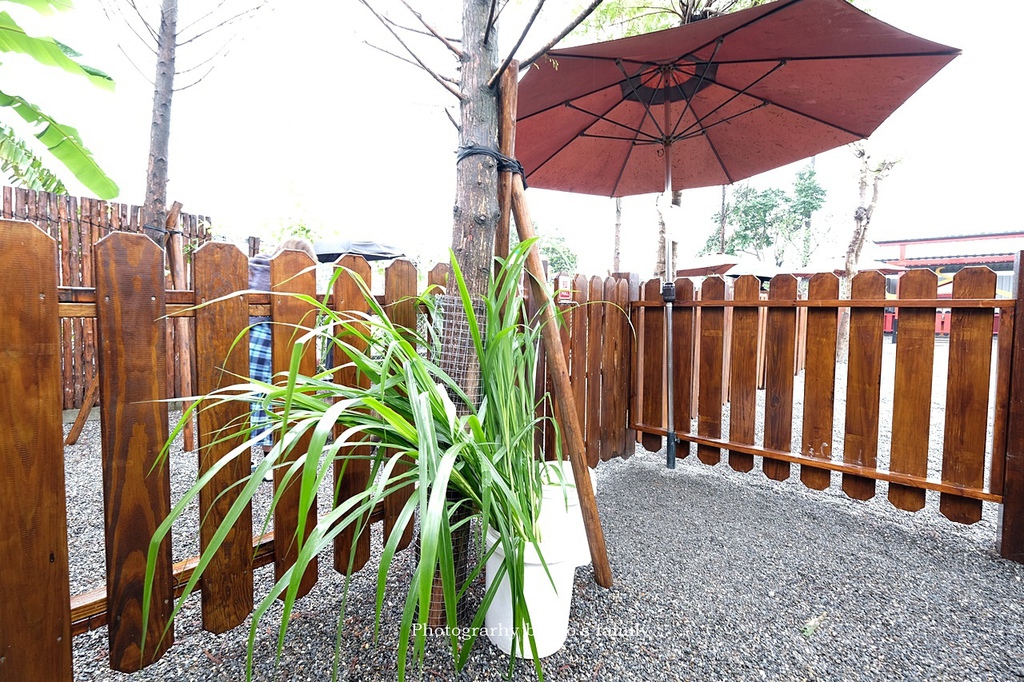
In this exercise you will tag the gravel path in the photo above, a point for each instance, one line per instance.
(717, 576)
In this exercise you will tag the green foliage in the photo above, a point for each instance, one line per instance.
(558, 253)
(21, 163)
(62, 141)
(460, 459)
(622, 18)
(765, 223)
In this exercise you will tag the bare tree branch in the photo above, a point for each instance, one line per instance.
(245, 14)
(452, 119)
(405, 59)
(447, 43)
(447, 86)
(511, 53)
(573, 24)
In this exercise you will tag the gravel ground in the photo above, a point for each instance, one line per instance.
(718, 575)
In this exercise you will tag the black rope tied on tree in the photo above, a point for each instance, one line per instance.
(162, 229)
(505, 164)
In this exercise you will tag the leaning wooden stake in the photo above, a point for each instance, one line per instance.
(564, 402)
(83, 412)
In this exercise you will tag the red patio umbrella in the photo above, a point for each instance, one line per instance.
(714, 102)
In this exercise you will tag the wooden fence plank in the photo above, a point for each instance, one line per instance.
(682, 381)
(967, 390)
(709, 397)
(352, 469)
(613, 409)
(819, 346)
(291, 317)
(400, 301)
(625, 439)
(78, 329)
(564, 318)
(595, 331)
(67, 325)
(136, 493)
(780, 347)
(652, 364)
(578, 352)
(1004, 362)
(1010, 532)
(35, 612)
(912, 390)
(743, 371)
(863, 383)
(221, 269)
(630, 335)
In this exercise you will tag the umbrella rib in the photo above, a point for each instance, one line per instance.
(700, 83)
(647, 104)
(584, 133)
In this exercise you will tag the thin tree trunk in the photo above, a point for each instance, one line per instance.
(862, 221)
(476, 200)
(617, 253)
(723, 214)
(154, 209)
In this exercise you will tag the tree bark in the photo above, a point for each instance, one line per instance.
(154, 209)
(476, 184)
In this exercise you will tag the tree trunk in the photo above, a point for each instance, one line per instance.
(617, 253)
(660, 265)
(476, 199)
(154, 209)
(723, 214)
(862, 221)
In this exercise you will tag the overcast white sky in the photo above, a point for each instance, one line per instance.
(303, 122)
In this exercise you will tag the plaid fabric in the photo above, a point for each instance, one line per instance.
(260, 369)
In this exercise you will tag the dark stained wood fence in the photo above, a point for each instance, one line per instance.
(970, 464)
(128, 305)
(76, 224)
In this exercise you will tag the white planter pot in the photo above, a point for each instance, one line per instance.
(548, 604)
(561, 519)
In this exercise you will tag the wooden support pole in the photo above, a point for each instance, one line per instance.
(564, 403)
(507, 108)
(1011, 515)
(182, 327)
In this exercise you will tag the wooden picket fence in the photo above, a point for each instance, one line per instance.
(613, 338)
(129, 305)
(846, 444)
(76, 224)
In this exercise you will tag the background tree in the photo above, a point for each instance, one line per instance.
(808, 197)
(557, 252)
(155, 33)
(767, 223)
(869, 181)
(18, 158)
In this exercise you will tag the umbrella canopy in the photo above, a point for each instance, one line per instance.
(715, 101)
(328, 251)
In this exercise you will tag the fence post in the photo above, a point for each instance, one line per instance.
(35, 616)
(1011, 516)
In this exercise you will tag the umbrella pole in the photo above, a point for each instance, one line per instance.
(668, 295)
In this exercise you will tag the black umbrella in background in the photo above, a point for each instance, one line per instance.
(329, 250)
